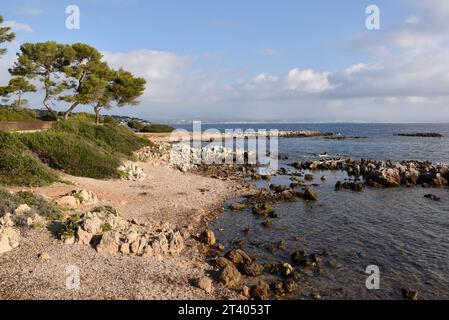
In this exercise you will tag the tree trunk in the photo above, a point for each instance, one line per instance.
(19, 102)
(69, 112)
(97, 114)
(45, 102)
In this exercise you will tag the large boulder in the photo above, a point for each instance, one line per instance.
(22, 209)
(109, 244)
(9, 239)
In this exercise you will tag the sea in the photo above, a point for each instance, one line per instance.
(381, 241)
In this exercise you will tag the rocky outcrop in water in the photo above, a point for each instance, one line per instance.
(385, 173)
(421, 135)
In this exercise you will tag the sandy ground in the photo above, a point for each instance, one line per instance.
(165, 196)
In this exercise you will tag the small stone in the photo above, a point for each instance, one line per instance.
(236, 256)
(410, 294)
(238, 206)
(83, 237)
(208, 237)
(205, 283)
(44, 256)
(246, 292)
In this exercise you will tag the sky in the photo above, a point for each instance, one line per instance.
(259, 60)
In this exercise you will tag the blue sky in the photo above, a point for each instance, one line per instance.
(260, 60)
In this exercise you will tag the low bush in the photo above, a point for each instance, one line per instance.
(19, 167)
(8, 114)
(157, 128)
(10, 201)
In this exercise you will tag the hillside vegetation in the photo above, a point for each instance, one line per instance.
(77, 148)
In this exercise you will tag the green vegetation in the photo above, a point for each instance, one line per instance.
(136, 125)
(5, 36)
(6, 114)
(108, 209)
(69, 227)
(154, 128)
(17, 86)
(19, 167)
(10, 201)
(157, 128)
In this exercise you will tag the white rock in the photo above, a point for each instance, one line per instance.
(68, 202)
(22, 209)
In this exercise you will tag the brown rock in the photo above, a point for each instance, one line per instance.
(208, 237)
(310, 194)
(261, 291)
(205, 283)
(230, 276)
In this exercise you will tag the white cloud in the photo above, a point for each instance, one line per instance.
(308, 81)
(18, 27)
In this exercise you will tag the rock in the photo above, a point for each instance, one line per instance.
(238, 206)
(85, 197)
(310, 194)
(208, 237)
(125, 249)
(278, 188)
(432, 197)
(7, 220)
(83, 237)
(246, 292)
(290, 286)
(387, 177)
(68, 202)
(286, 269)
(237, 256)
(261, 291)
(109, 244)
(69, 240)
(263, 209)
(132, 172)
(230, 276)
(410, 294)
(4, 244)
(44, 256)
(205, 283)
(222, 262)
(324, 178)
(36, 220)
(250, 268)
(22, 209)
(309, 177)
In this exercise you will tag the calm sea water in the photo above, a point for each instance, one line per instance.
(398, 230)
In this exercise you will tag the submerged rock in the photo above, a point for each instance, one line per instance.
(208, 238)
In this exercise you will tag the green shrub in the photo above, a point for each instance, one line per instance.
(136, 125)
(72, 154)
(157, 128)
(10, 201)
(69, 227)
(7, 114)
(114, 139)
(19, 167)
